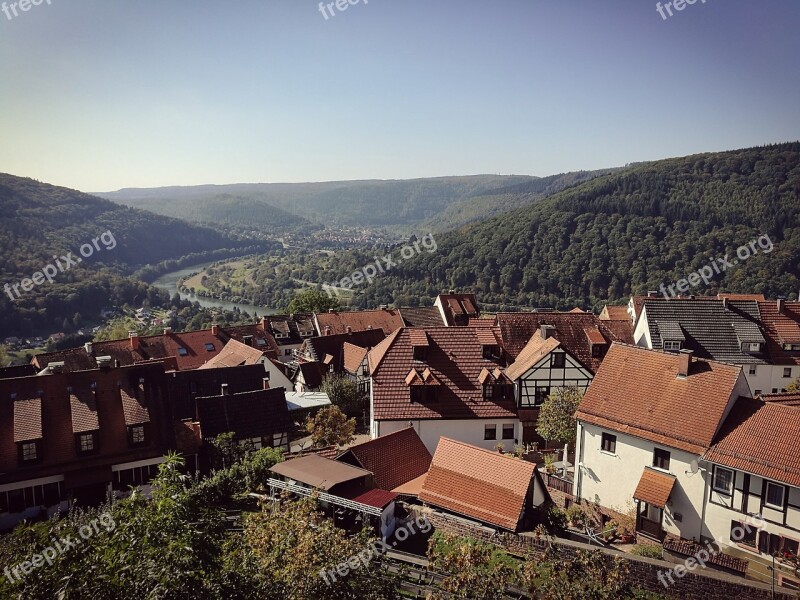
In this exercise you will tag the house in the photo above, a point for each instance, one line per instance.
(289, 332)
(497, 490)
(356, 365)
(561, 350)
(644, 425)
(781, 326)
(753, 468)
(74, 438)
(259, 418)
(348, 492)
(615, 313)
(457, 309)
(190, 350)
(235, 354)
(308, 377)
(337, 323)
(443, 381)
(328, 350)
(398, 461)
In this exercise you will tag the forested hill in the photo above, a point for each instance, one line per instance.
(40, 221)
(626, 232)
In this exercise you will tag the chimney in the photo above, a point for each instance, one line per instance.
(167, 330)
(328, 330)
(451, 292)
(331, 311)
(215, 330)
(684, 361)
(262, 324)
(545, 331)
(265, 383)
(725, 303)
(134, 337)
(652, 293)
(781, 304)
(88, 347)
(349, 329)
(225, 391)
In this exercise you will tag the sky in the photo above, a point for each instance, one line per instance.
(99, 95)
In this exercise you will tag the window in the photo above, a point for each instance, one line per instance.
(608, 443)
(791, 347)
(209, 347)
(287, 352)
(508, 431)
(431, 393)
(541, 395)
(775, 494)
(86, 442)
(744, 534)
(417, 393)
(558, 360)
(490, 432)
(672, 346)
(787, 372)
(758, 392)
(597, 350)
(261, 342)
(752, 369)
(29, 452)
(723, 481)
(137, 434)
(790, 546)
(774, 390)
(754, 347)
(488, 390)
(661, 459)
(420, 353)
(182, 351)
(491, 352)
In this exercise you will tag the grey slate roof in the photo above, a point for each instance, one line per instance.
(709, 328)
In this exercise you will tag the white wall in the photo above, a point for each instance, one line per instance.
(469, 431)
(276, 376)
(611, 479)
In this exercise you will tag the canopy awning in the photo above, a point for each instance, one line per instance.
(654, 487)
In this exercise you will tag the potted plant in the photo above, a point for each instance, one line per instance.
(500, 446)
(627, 528)
(610, 530)
(576, 518)
(549, 459)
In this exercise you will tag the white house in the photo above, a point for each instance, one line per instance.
(643, 426)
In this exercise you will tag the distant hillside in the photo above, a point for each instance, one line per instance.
(40, 221)
(629, 231)
(432, 204)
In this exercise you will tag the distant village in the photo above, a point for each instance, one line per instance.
(685, 432)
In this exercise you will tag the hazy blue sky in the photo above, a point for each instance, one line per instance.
(104, 94)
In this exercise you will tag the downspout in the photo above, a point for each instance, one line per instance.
(579, 465)
(705, 501)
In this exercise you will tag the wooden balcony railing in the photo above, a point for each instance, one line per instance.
(557, 483)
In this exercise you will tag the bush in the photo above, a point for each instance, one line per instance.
(648, 551)
(576, 515)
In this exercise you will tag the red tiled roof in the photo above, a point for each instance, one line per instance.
(455, 359)
(654, 487)
(689, 548)
(235, 354)
(481, 322)
(422, 316)
(418, 337)
(315, 349)
(781, 328)
(637, 391)
(27, 420)
(84, 412)
(594, 336)
(516, 330)
(615, 313)
(785, 398)
(388, 320)
(376, 498)
(188, 437)
(479, 484)
(394, 459)
(458, 308)
(134, 405)
(353, 357)
(760, 438)
(486, 336)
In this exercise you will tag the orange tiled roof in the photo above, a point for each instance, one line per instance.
(84, 412)
(394, 459)
(483, 485)
(615, 313)
(637, 391)
(781, 328)
(27, 420)
(654, 487)
(134, 405)
(388, 320)
(760, 438)
(534, 351)
(235, 354)
(353, 357)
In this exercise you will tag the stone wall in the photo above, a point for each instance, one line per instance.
(703, 584)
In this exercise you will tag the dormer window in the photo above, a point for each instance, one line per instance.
(29, 452)
(136, 435)
(182, 351)
(597, 351)
(791, 347)
(209, 347)
(752, 347)
(421, 353)
(672, 346)
(86, 443)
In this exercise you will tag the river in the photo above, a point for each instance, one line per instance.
(169, 282)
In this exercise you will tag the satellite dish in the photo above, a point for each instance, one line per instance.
(694, 467)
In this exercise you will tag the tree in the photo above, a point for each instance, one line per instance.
(472, 568)
(557, 416)
(3, 356)
(345, 394)
(331, 427)
(794, 386)
(312, 300)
